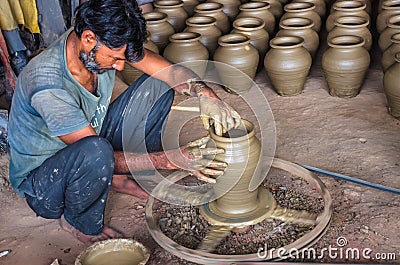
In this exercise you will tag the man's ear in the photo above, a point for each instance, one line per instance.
(88, 39)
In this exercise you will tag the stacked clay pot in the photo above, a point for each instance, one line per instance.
(230, 7)
(346, 8)
(259, 10)
(353, 26)
(391, 86)
(160, 29)
(236, 51)
(301, 27)
(345, 64)
(185, 47)
(348, 26)
(253, 28)
(287, 64)
(175, 11)
(388, 56)
(275, 7)
(304, 10)
(320, 6)
(207, 28)
(392, 27)
(214, 10)
(389, 9)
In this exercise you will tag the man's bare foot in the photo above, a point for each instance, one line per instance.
(88, 240)
(121, 183)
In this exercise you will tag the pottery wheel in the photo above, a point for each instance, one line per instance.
(224, 223)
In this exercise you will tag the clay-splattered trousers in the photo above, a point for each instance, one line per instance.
(76, 180)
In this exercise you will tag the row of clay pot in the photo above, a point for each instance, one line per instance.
(289, 59)
(388, 27)
(346, 61)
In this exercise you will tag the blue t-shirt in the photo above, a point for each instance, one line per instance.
(49, 102)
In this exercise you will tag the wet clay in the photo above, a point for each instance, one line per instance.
(114, 251)
(119, 257)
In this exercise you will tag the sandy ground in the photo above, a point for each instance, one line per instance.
(356, 137)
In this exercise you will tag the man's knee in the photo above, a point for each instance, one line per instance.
(98, 157)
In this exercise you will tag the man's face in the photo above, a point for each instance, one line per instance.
(89, 60)
(101, 59)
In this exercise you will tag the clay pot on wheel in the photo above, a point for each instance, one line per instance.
(186, 47)
(345, 64)
(242, 154)
(287, 64)
(236, 51)
(391, 86)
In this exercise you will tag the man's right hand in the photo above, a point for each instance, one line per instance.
(192, 158)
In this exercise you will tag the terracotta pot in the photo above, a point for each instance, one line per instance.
(304, 10)
(186, 47)
(388, 57)
(214, 10)
(345, 64)
(159, 28)
(242, 154)
(189, 6)
(231, 7)
(253, 28)
(356, 26)
(389, 9)
(130, 74)
(346, 9)
(275, 8)
(300, 27)
(174, 9)
(260, 10)
(287, 64)
(235, 50)
(393, 27)
(391, 87)
(208, 30)
(320, 6)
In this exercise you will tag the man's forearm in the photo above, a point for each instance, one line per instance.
(180, 78)
(131, 162)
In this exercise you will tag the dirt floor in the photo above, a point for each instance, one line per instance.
(356, 137)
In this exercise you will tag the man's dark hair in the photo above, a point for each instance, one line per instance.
(115, 23)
